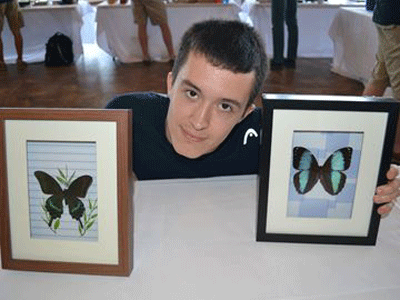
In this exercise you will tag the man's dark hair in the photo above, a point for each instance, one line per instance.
(231, 45)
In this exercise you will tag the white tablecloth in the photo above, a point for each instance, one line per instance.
(195, 239)
(117, 33)
(355, 43)
(41, 22)
(313, 21)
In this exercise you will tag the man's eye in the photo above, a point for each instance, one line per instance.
(225, 107)
(191, 94)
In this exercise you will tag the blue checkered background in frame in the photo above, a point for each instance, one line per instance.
(317, 203)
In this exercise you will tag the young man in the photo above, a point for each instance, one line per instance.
(208, 125)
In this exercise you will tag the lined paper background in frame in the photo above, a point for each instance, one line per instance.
(69, 157)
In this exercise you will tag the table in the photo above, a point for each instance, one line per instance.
(195, 239)
(313, 21)
(41, 22)
(355, 43)
(117, 33)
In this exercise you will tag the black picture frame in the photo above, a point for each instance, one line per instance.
(293, 122)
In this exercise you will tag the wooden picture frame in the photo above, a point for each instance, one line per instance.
(66, 190)
(320, 162)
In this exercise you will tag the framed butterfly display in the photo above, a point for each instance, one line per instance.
(66, 191)
(320, 161)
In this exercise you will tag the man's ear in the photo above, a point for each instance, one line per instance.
(169, 82)
(248, 111)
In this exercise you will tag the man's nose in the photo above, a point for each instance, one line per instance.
(201, 116)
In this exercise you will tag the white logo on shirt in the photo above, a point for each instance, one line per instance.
(249, 133)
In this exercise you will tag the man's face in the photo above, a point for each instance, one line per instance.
(206, 103)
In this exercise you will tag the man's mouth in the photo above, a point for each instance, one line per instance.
(192, 137)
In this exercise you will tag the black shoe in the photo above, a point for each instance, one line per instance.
(273, 66)
(290, 63)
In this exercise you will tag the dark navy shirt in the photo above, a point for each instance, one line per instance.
(386, 12)
(155, 158)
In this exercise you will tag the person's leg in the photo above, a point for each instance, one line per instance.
(379, 77)
(3, 66)
(277, 31)
(140, 18)
(373, 88)
(1, 50)
(2, 14)
(293, 33)
(143, 40)
(1, 47)
(392, 58)
(158, 15)
(18, 44)
(15, 21)
(390, 38)
(167, 37)
(21, 65)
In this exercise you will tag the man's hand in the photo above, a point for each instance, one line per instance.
(389, 192)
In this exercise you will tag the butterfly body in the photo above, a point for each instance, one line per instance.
(54, 204)
(330, 174)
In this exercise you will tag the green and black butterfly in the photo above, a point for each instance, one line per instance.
(54, 204)
(329, 174)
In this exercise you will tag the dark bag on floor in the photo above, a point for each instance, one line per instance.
(59, 51)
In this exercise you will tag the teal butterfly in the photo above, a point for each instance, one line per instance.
(54, 204)
(330, 174)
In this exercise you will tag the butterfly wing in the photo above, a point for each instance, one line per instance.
(78, 188)
(48, 184)
(332, 178)
(305, 162)
(76, 208)
(55, 207)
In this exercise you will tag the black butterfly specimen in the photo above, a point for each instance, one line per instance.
(54, 204)
(330, 174)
